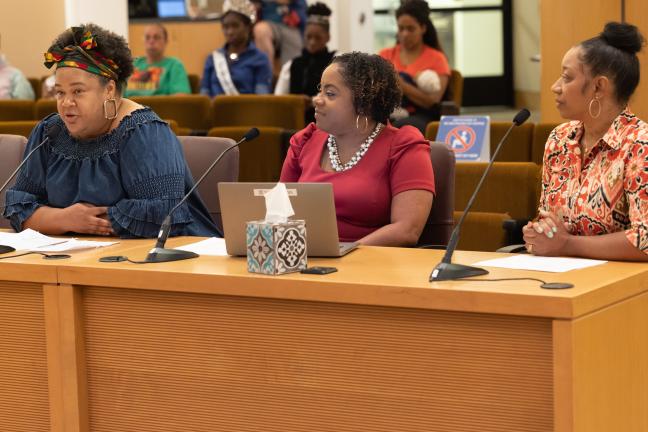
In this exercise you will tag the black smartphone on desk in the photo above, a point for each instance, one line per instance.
(319, 270)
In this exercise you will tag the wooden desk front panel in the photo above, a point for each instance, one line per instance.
(182, 361)
(24, 404)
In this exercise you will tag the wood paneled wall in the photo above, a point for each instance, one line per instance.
(566, 23)
(191, 42)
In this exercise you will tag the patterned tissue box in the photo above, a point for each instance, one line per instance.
(276, 248)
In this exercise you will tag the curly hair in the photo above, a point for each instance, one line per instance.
(373, 83)
(109, 44)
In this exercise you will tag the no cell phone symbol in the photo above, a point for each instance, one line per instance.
(461, 139)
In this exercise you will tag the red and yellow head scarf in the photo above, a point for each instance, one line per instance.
(84, 55)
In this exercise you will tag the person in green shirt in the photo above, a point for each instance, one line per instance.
(154, 73)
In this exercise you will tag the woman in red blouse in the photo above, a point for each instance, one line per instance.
(382, 176)
(594, 200)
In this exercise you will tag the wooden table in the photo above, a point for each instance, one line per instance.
(203, 345)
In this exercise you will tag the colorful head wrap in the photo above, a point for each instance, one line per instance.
(84, 55)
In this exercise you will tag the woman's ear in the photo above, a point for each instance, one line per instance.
(111, 89)
(603, 85)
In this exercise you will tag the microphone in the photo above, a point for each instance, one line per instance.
(159, 253)
(51, 134)
(445, 270)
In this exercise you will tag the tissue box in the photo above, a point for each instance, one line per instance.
(276, 248)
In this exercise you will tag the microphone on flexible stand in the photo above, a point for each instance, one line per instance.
(446, 270)
(159, 253)
(51, 134)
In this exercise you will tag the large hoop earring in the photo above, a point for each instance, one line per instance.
(598, 111)
(366, 123)
(114, 108)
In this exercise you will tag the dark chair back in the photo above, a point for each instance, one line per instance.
(260, 160)
(282, 111)
(194, 83)
(12, 148)
(43, 108)
(200, 152)
(440, 222)
(189, 110)
(15, 109)
(18, 127)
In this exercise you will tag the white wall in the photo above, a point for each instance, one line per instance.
(26, 31)
(351, 25)
(526, 44)
(109, 14)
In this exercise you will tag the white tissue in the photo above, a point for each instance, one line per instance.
(278, 207)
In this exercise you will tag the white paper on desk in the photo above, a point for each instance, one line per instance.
(27, 240)
(212, 246)
(74, 244)
(537, 263)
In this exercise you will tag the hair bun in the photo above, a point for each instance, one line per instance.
(625, 37)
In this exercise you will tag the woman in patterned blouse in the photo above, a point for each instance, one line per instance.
(594, 200)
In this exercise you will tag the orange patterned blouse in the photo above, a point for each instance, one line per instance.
(608, 191)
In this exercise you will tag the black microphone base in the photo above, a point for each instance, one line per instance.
(166, 255)
(6, 249)
(447, 271)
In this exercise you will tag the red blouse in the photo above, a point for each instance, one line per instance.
(398, 160)
(608, 191)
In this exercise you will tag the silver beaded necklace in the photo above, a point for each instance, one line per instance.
(336, 163)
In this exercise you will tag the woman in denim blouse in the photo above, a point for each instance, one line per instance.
(110, 166)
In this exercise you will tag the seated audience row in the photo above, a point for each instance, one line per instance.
(114, 168)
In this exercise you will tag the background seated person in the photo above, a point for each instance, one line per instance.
(13, 84)
(302, 74)
(111, 167)
(382, 176)
(238, 67)
(154, 74)
(280, 28)
(423, 68)
(594, 200)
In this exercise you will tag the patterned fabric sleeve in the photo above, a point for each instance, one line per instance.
(153, 176)
(546, 171)
(636, 190)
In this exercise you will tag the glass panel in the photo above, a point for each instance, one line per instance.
(472, 41)
(438, 4)
(479, 43)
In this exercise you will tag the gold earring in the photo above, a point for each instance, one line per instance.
(598, 111)
(114, 108)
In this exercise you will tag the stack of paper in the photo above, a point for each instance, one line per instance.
(538, 263)
(212, 246)
(31, 240)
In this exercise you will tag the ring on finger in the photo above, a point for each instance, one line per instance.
(530, 248)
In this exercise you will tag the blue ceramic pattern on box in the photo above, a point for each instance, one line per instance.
(276, 248)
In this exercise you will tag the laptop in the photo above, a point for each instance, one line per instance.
(312, 202)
